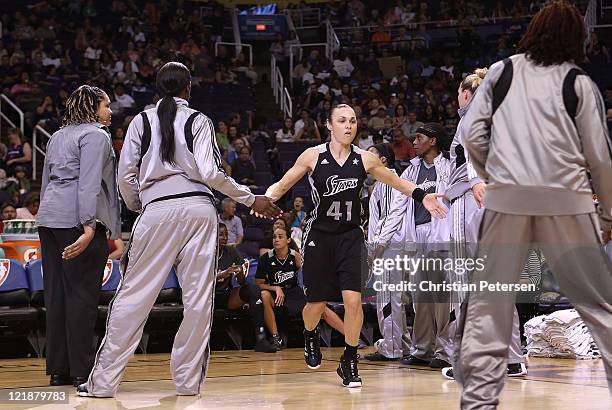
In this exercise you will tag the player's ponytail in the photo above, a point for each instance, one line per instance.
(473, 81)
(172, 79)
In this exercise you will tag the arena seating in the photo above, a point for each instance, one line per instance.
(18, 318)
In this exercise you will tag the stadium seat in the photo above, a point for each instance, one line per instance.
(34, 274)
(167, 312)
(17, 317)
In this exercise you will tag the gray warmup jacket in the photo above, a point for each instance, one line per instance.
(198, 167)
(533, 157)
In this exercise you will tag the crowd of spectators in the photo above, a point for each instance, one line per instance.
(49, 48)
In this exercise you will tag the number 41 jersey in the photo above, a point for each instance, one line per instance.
(335, 191)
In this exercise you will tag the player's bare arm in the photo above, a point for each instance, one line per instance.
(304, 164)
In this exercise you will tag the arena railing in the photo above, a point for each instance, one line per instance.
(281, 93)
(40, 137)
(304, 18)
(333, 43)
(238, 49)
(590, 18)
(414, 26)
(5, 101)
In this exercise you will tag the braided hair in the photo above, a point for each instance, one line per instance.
(171, 80)
(82, 105)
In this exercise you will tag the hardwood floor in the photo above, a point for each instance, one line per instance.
(245, 379)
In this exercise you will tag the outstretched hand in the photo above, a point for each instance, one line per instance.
(435, 207)
(263, 207)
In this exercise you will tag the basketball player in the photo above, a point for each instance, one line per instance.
(227, 296)
(333, 245)
(168, 165)
(429, 170)
(465, 192)
(277, 277)
(390, 310)
(535, 131)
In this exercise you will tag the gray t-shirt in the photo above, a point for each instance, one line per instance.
(427, 182)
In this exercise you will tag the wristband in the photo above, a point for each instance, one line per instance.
(418, 194)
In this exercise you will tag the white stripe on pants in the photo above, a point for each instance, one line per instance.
(392, 315)
(180, 232)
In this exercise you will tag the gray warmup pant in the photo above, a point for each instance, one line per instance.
(392, 316)
(572, 247)
(430, 333)
(180, 232)
(466, 220)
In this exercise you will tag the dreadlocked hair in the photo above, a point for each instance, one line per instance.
(82, 105)
(555, 35)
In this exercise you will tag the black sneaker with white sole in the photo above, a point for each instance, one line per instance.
(277, 341)
(312, 350)
(348, 371)
(517, 370)
(448, 373)
(82, 390)
(514, 370)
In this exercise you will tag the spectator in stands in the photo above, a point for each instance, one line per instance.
(9, 191)
(243, 168)
(221, 136)
(380, 35)
(377, 122)
(46, 110)
(409, 128)
(115, 248)
(277, 48)
(24, 85)
(297, 212)
(18, 152)
(277, 277)
(30, 207)
(230, 265)
(123, 101)
(400, 117)
(232, 222)
(287, 133)
(237, 144)
(224, 76)
(343, 66)
(118, 139)
(22, 182)
(364, 139)
(8, 212)
(402, 146)
(306, 128)
(241, 65)
(451, 119)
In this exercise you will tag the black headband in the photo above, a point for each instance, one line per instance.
(427, 131)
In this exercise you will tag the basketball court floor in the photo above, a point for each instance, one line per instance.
(248, 380)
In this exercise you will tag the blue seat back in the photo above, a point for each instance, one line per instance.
(111, 275)
(12, 275)
(34, 273)
(171, 281)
